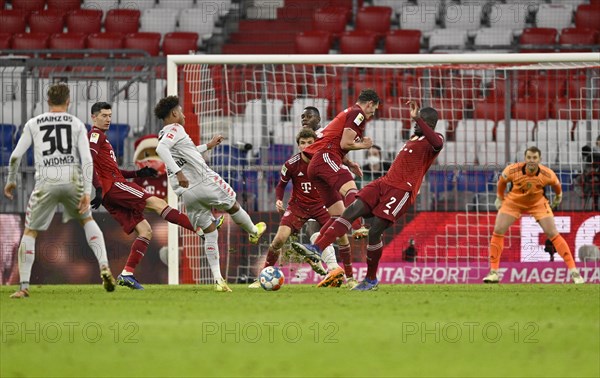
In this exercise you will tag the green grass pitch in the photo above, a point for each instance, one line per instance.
(301, 331)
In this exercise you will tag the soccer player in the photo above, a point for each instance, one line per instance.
(124, 200)
(311, 118)
(304, 204)
(326, 169)
(389, 197)
(63, 175)
(528, 180)
(200, 188)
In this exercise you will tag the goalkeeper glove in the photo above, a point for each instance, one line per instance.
(146, 172)
(97, 201)
(498, 203)
(557, 200)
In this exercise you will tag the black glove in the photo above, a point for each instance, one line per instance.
(97, 201)
(146, 172)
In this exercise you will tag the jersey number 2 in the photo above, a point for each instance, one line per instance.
(57, 140)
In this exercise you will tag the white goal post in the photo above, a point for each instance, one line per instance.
(517, 62)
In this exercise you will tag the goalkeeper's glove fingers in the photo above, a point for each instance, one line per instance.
(97, 201)
(146, 172)
(498, 203)
(557, 201)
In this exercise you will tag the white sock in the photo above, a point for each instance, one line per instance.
(26, 258)
(242, 219)
(95, 239)
(328, 255)
(211, 248)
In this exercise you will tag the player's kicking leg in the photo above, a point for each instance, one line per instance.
(374, 252)
(242, 219)
(137, 252)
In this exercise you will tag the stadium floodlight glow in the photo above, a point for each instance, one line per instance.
(223, 86)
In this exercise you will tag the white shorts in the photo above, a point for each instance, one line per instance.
(202, 198)
(44, 199)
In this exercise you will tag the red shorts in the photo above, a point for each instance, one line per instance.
(295, 216)
(126, 202)
(328, 174)
(385, 201)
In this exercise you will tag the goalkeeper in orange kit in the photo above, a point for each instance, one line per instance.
(528, 180)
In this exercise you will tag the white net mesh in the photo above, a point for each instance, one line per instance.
(489, 113)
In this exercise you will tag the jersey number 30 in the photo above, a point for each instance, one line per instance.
(57, 139)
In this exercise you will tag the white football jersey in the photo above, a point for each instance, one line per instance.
(183, 155)
(60, 148)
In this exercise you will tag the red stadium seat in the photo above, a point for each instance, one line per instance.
(374, 19)
(538, 36)
(357, 42)
(47, 21)
(13, 21)
(179, 43)
(67, 41)
(84, 21)
(531, 109)
(490, 109)
(105, 41)
(574, 109)
(29, 5)
(5, 41)
(30, 41)
(64, 5)
(122, 21)
(577, 87)
(587, 16)
(546, 86)
(572, 37)
(403, 42)
(149, 42)
(332, 20)
(448, 109)
(313, 42)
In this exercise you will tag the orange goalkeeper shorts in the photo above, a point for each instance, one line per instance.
(540, 209)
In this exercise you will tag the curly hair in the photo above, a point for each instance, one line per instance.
(165, 106)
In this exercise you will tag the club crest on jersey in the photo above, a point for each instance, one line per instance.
(359, 118)
(94, 137)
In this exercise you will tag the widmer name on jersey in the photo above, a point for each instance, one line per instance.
(69, 159)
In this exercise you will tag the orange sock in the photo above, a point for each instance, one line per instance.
(563, 249)
(496, 247)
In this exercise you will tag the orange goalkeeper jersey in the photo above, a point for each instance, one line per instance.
(527, 189)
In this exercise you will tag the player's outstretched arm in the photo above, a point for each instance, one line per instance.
(436, 141)
(15, 157)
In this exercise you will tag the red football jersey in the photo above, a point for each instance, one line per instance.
(330, 136)
(105, 161)
(411, 164)
(304, 193)
(157, 186)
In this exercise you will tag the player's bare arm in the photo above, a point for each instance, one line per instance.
(353, 166)
(183, 181)
(8, 190)
(349, 142)
(215, 141)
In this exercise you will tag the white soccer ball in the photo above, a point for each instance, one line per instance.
(271, 278)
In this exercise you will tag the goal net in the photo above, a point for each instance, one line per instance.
(491, 107)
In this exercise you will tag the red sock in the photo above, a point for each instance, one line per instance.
(346, 256)
(138, 250)
(175, 216)
(337, 229)
(373, 255)
(325, 227)
(348, 199)
(272, 257)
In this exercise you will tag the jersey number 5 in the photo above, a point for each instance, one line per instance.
(58, 139)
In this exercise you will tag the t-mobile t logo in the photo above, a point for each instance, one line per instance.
(306, 187)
